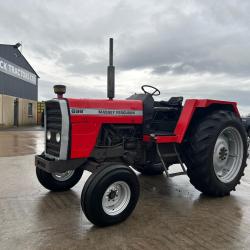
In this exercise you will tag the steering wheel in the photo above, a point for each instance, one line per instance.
(156, 91)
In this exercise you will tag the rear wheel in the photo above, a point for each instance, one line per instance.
(216, 153)
(110, 195)
(59, 181)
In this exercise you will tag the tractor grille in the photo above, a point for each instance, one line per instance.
(54, 125)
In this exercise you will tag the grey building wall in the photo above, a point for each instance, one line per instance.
(10, 85)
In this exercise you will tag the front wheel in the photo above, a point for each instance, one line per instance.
(59, 181)
(216, 153)
(110, 195)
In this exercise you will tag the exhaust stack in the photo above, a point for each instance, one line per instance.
(111, 73)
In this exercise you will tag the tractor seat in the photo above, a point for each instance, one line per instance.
(174, 103)
(165, 108)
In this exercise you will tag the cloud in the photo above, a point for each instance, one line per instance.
(207, 37)
(191, 48)
(46, 91)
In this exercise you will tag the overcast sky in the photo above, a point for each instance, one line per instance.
(198, 49)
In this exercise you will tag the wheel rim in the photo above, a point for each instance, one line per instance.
(116, 198)
(63, 176)
(228, 154)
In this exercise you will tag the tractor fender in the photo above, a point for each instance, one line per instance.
(191, 106)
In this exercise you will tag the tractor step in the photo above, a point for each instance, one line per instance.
(184, 171)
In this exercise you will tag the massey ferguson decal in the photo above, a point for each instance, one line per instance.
(113, 112)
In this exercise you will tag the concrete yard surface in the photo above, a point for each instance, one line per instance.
(171, 213)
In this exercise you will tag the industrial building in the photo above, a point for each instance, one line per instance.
(18, 88)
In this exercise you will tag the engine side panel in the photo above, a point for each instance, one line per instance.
(88, 115)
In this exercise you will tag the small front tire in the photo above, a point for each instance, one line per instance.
(59, 182)
(110, 195)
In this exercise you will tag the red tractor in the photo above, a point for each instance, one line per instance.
(108, 137)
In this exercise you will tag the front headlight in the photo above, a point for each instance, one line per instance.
(58, 137)
(48, 136)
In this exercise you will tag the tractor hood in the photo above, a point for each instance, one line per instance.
(125, 111)
(87, 116)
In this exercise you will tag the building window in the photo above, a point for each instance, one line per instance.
(30, 109)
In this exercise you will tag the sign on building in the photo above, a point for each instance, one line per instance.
(16, 71)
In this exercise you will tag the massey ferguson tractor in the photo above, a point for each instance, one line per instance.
(111, 137)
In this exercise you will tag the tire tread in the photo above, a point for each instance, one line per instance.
(198, 153)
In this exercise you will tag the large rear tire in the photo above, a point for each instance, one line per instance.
(59, 182)
(110, 195)
(216, 153)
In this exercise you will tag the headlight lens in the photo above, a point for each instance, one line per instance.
(58, 137)
(48, 135)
